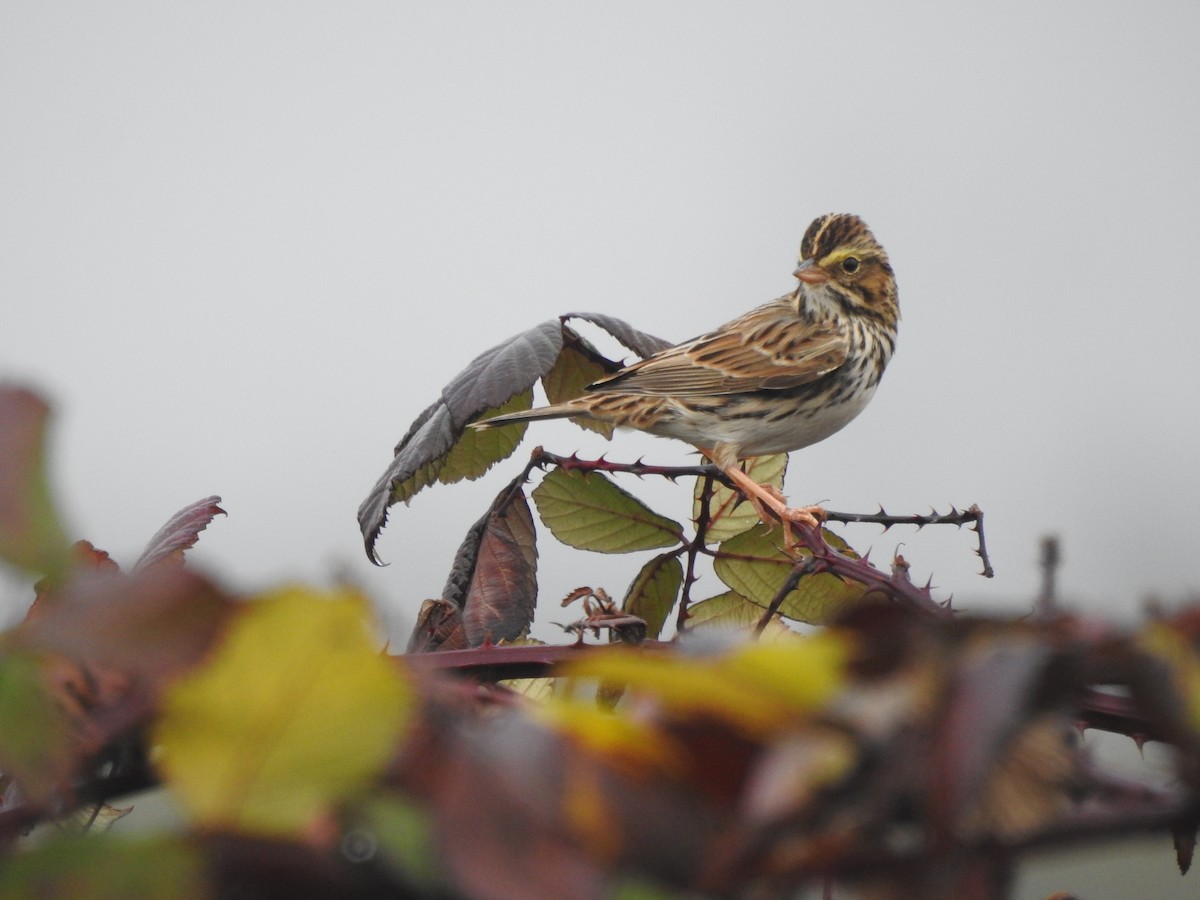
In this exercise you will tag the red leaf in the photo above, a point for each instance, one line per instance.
(503, 592)
(152, 625)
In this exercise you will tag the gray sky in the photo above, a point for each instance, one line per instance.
(242, 245)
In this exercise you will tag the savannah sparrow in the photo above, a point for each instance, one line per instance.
(782, 376)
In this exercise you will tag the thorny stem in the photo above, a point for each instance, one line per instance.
(694, 548)
(541, 458)
(824, 557)
(973, 515)
(828, 559)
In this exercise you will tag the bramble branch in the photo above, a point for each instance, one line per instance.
(973, 515)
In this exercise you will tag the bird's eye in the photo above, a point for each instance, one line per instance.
(850, 264)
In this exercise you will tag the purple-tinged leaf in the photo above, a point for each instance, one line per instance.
(179, 534)
(489, 381)
(638, 341)
(506, 369)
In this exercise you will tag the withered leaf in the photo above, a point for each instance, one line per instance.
(500, 601)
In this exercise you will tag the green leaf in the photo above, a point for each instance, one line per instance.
(31, 536)
(478, 450)
(100, 867)
(754, 565)
(587, 511)
(728, 517)
(654, 592)
(573, 371)
(35, 742)
(406, 840)
(636, 889)
(296, 710)
(469, 457)
(403, 491)
(731, 611)
(727, 610)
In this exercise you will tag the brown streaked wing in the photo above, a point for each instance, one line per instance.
(768, 348)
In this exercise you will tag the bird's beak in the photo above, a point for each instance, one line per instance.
(810, 273)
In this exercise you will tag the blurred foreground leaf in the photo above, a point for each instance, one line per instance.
(35, 741)
(152, 625)
(296, 710)
(760, 688)
(103, 867)
(405, 837)
(31, 536)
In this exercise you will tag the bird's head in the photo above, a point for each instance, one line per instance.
(844, 271)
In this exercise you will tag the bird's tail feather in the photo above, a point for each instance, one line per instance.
(559, 411)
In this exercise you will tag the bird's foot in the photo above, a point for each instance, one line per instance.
(771, 506)
(791, 518)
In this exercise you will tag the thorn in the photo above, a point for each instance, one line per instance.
(1140, 740)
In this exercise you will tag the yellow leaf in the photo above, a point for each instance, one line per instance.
(296, 709)
(801, 674)
(573, 371)
(608, 735)
(588, 812)
(1173, 648)
(757, 688)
